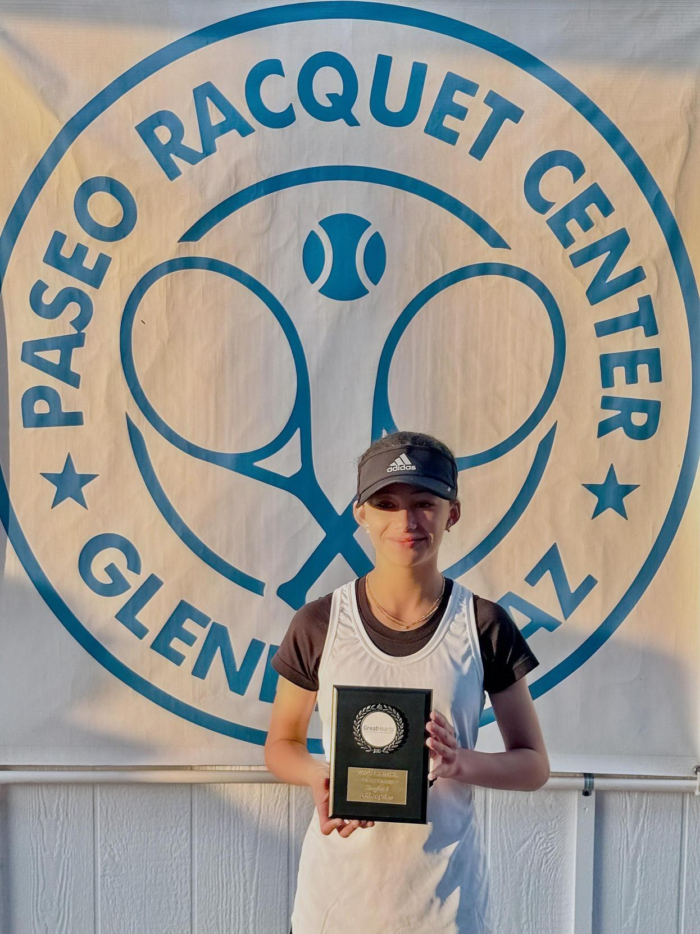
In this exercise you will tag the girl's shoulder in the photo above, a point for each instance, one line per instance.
(505, 652)
(314, 615)
(299, 654)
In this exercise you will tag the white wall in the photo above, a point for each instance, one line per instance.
(221, 859)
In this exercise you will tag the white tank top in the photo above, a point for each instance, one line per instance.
(402, 878)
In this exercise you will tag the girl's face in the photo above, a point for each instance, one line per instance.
(406, 523)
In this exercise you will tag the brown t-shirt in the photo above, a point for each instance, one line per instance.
(504, 650)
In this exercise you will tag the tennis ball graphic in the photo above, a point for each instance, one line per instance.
(351, 254)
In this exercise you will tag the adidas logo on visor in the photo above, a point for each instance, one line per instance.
(401, 463)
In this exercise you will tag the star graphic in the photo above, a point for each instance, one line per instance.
(610, 493)
(69, 483)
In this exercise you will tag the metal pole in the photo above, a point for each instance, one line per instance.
(558, 781)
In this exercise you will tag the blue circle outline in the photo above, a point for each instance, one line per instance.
(383, 419)
(234, 460)
(431, 22)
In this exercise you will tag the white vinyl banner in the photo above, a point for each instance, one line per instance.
(243, 240)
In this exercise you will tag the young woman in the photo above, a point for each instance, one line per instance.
(405, 625)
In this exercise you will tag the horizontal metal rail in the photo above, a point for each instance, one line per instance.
(215, 775)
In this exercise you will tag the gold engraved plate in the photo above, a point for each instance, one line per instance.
(382, 786)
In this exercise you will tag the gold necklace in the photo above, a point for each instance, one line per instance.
(402, 622)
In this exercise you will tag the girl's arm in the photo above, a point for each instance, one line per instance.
(285, 748)
(524, 766)
(287, 757)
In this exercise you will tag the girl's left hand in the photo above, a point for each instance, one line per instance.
(443, 747)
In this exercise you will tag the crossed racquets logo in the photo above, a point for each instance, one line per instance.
(325, 260)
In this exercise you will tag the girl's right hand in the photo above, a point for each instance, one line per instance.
(320, 788)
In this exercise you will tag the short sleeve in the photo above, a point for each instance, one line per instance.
(299, 654)
(504, 650)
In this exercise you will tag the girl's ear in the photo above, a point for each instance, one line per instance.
(359, 513)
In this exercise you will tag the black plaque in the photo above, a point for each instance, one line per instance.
(379, 761)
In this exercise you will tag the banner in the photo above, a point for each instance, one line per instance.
(242, 241)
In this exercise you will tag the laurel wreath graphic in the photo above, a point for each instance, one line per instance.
(395, 716)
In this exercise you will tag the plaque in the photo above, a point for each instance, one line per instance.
(379, 761)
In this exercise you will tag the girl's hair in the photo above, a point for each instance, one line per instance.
(415, 439)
